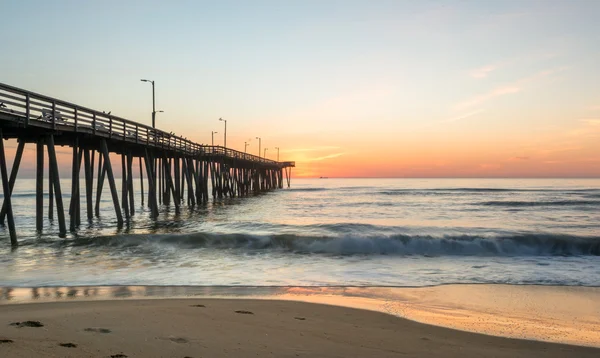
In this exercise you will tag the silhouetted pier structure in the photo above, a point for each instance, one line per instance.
(177, 170)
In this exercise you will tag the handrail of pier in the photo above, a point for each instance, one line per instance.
(43, 111)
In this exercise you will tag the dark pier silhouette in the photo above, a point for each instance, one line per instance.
(176, 171)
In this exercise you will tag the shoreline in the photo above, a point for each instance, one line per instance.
(192, 327)
(530, 312)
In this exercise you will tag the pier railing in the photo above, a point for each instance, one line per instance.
(33, 109)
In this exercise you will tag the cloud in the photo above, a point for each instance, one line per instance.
(591, 121)
(519, 158)
(463, 116)
(330, 156)
(483, 72)
(482, 98)
(313, 149)
(516, 86)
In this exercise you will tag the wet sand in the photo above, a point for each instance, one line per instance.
(203, 327)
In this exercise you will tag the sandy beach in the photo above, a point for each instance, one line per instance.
(241, 328)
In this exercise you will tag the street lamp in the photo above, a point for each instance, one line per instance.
(259, 140)
(213, 138)
(225, 134)
(265, 155)
(277, 153)
(246, 144)
(153, 104)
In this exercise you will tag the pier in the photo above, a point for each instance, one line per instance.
(173, 170)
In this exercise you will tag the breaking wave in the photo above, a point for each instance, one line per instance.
(458, 245)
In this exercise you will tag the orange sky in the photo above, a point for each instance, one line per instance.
(345, 89)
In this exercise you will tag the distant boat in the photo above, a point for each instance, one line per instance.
(323, 178)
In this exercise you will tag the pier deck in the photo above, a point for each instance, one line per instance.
(177, 170)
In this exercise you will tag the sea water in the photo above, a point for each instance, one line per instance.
(324, 232)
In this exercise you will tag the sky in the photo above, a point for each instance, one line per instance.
(344, 88)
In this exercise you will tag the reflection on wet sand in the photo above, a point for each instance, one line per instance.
(556, 314)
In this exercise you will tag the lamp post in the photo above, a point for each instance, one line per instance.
(153, 104)
(277, 153)
(213, 138)
(265, 154)
(224, 134)
(246, 144)
(259, 140)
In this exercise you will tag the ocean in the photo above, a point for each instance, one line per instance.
(326, 232)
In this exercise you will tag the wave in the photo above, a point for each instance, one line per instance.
(307, 189)
(540, 203)
(426, 245)
(22, 195)
(454, 191)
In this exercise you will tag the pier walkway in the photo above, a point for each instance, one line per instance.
(177, 171)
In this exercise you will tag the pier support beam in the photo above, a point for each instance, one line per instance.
(53, 165)
(100, 184)
(13, 177)
(169, 184)
(141, 180)
(130, 183)
(151, 184)
(124, 195)
(73, 207)
(89, 185)
(111, 181)
(39, 186)
(6, 191)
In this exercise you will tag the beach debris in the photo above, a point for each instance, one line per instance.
(27, 324)
(197, 306)
(6, 341)
(178, 340)
(68, 345)
(120, 355)
(300, 318)
(244, 312)
(98, 330)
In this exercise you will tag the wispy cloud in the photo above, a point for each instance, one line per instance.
(460, 117)
(522, 158)
(482, 98)
(484, 71)
(330, 156)
(591, 121)
(516, 86)
(313, 149)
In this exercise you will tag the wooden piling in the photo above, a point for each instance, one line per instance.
(39, 186)
(141, 180)
(6, 191)
(53, 164)
(89, 185)
(100, 183)
(176, 173)
(130, 183)
(151, 184)
(74, 184)
(111, 181)
(124, 200)
(13, 176)
(50, 190)
(159, 167)
(169, 183)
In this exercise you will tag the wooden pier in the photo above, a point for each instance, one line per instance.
(177, 171)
